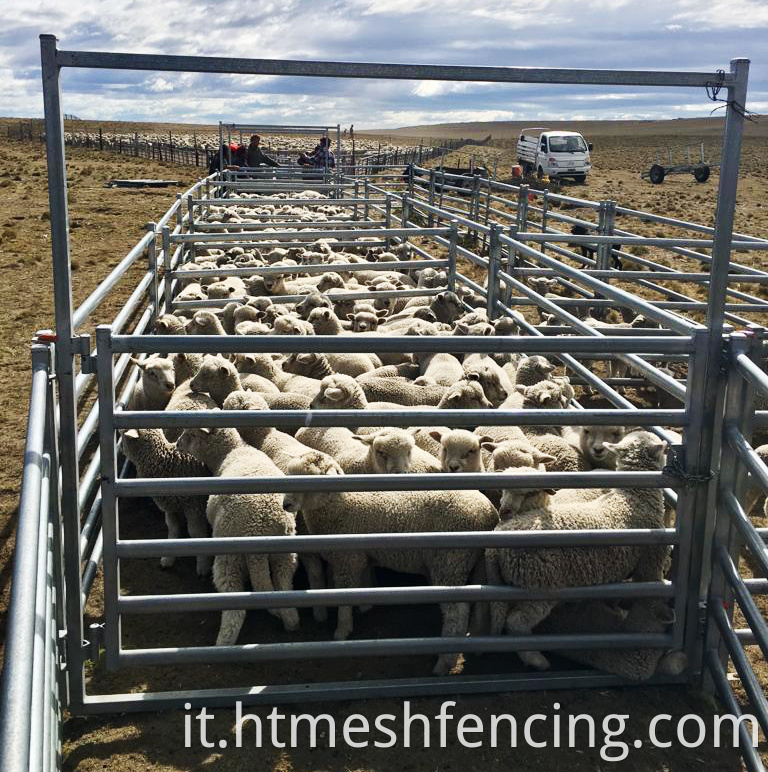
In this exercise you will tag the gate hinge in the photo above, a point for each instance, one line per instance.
(82, 344)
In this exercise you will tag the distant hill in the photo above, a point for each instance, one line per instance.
(507, 129)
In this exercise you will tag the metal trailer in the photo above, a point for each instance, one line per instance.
(699, 169)
(80, 509)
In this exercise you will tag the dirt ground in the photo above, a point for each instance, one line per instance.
(105, 224)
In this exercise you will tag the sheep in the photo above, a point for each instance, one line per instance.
(464, 395)
(590, 442)
(531, 370)
(645, 615)
(401, 391)
(185, 366)
(459, 450)
(328, 512)
(205, 323)
(442, 369)
(527, 510)
(320, 365)
(226, 454)
(154, 456)
(312, 300)
(291, 325)
(231, 287)
(156, 386)
(219, 377)
(267, 367)
(169, 324)
(494, 381)
(387, 451)
(185, 397)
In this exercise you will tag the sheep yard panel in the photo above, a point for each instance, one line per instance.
(490, 238)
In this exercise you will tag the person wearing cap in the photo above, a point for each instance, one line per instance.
(214, 165)
(321, 157)
(256, 156)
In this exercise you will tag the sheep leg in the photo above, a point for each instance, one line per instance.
(522, 619)
(452, 568)
(498, 609)
(283, 567)
(173, 523)
(197, 525)
(348, 571)
(261, 581)
(228, 576)
(313, 565)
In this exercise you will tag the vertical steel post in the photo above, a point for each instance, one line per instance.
(65, 366)
(154, 285)
(494, 261)
(739, 409)
(357, 195)
(388, 217)
(109, 511)
(453, 239)
(522, 208)
(544, 212)
(511, 263)
(367, 195)
(166, 236)
(431, 218)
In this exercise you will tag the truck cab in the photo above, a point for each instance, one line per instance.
(554, 154)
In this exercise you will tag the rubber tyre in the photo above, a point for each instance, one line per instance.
(701, 173)
(656, 174)
(580, 178)
(540, 173)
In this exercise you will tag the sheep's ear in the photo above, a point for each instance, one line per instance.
(550, 491)
(205, 430)
(304, 358)
(161, 324)
(657, 451)
(381, 313)
(141, 365)
(521, 389)
(543, 398)
(610, 446)
(436, 434)
(488, 330)
(204, 289)
(488, 444)
(366, 439)
(350, 317)
(462, 328)
(133, 433)
(548, 367)
(542, 458)
(472, 375)
(223, 370)
(666, 615)
(454, 398)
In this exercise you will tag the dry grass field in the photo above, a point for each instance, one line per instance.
(105, 224)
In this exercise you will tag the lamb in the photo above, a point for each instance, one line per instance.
(465, 395)
(205, 323)
(401, 390)
(572, 567)
(267, 367)
(410, 512)
(645, 615)
(313, 299)
(590, 442)
(531, 370)
(387, 451)
(492, 379)
(185, 366)
(226, 454)
(154, 456)
(231, 287)
(169, 324)
(438, 368)
(156, 386)
(320, 365)
(291, 325)
(219, 377)
(459, 450)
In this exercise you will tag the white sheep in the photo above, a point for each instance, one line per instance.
(406, 512)
(154, 389)
(526, 509)
(226, 454)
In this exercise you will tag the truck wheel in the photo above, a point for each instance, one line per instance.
(540, 173)
(701, 173)
(656, 174)
(580, 177)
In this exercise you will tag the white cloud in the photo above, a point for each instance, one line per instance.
(157, 85)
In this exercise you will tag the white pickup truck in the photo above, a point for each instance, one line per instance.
(554, 154)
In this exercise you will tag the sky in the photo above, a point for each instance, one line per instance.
(620, 34)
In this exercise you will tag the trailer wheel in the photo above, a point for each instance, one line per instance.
(701, 173)
(540, 173)
(656, 174)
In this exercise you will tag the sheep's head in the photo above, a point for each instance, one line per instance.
(544, 395)
(313, 300)
(245, 400)
(447, 306)
(513, 454)
(464, 395)
(204, 323)
(314, 462)
(639, 451)
(515, 501)
(322, 319)
(533, 369)
(134, 440)
(365, 321)
(592, 440)
(215, 374)
(195, 441)
(246, 314)
(507, 325)
(339, 392)
(459, 450)
(389, 450)
(157, 374)
(291, 325)
(168, 324)
(222, 290)
(489, 379)
(302, 363)
(330, 280)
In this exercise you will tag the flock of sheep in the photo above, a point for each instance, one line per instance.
(210, 141)
(390, 381)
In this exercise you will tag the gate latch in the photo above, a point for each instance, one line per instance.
(82, 345)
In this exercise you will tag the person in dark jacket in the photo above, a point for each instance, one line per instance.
(241, 156)
(214, 166)
(256, 156)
